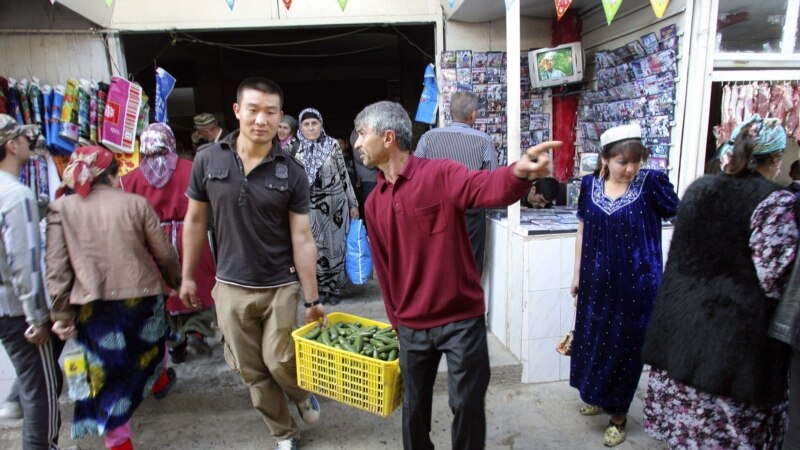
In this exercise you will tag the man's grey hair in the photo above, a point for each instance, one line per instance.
(462, 104)
(384, 116)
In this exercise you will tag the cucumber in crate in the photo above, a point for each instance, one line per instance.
(353, 360)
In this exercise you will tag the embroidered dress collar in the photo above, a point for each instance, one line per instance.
(610, 206)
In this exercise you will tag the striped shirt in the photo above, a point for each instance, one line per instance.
(460, 143)
(22, 292)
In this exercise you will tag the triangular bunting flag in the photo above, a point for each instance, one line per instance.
(342, 4)
(659, 6)
(611, 7)
(509, 3)
(287, 4)
(52, 2)
(230, 3)
(561, 7)
(452, 3)
(108, 3)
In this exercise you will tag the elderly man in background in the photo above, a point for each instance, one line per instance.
(207, 130)
(465, 145)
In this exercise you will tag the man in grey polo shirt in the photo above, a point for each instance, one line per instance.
(265, 253)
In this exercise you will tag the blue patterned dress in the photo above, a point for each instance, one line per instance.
(620, 272)
(123, 341)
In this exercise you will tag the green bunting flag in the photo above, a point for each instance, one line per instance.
(611, 7)
(108, 3)
(342, 4)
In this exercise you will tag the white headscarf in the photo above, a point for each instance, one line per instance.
(313, 153)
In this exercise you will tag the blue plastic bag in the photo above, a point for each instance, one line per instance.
(358, 258)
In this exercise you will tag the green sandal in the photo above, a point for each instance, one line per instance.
(590, 410)
(614, 434)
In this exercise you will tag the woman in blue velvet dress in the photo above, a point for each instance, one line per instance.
(618, 267)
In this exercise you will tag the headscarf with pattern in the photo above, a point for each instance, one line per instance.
(770, 137)
(313, 153)
(85, 164)
(159, 156)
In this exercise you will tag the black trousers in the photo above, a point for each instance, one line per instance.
(792, 439)
(464, 345)
(476, 227)
(39, 381)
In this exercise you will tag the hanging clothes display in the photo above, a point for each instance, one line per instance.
(72, 114)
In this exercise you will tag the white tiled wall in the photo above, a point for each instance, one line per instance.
(531, 306)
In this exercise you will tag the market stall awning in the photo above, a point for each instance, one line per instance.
(93, 10)
(486, 10)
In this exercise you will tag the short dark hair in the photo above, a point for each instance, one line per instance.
(259, 84)
(548, 187)
(794, 170)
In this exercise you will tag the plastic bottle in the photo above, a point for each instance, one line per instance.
(76, 372)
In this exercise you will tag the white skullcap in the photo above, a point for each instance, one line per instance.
(620, 133)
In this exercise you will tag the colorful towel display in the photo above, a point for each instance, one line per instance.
(121, 116)
(68, 126)
(80, 112)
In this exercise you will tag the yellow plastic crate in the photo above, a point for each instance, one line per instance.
(366, 383)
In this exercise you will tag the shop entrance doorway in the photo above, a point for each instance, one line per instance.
(337, 70)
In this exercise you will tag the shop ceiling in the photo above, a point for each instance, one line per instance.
(486, 10)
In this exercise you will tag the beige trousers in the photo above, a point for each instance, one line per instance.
(256, 325)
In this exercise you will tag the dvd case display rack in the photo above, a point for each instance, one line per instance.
(484, 73)
(635, 84)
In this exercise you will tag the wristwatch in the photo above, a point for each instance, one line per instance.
(309, 305)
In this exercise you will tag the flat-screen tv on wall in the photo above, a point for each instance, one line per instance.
(556, 66)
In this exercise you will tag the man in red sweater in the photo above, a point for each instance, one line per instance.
(428, 276)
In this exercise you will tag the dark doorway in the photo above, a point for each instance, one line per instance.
(337, 70)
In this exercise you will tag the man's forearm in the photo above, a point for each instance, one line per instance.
(305, 261)
(194, 235)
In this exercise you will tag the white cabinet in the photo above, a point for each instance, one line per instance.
(527, 280)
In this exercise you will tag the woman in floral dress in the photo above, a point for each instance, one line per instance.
(717, 379)
(333, 202)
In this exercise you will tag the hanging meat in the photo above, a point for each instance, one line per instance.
(796, 97)
(730, 125)
(739, 111)
(722, 133)
(791, 97)
(762, 99)
(749, 107)
(777, 107)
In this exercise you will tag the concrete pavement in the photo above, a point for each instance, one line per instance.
(210, 409)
